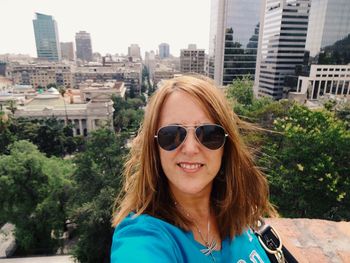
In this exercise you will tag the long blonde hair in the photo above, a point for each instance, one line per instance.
(240, 191)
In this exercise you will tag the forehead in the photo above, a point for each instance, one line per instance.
(182, 108)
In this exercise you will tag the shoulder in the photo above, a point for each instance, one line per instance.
(143, 237)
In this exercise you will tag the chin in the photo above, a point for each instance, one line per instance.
(192, 189)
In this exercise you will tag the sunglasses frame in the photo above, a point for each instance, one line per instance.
(190, 127)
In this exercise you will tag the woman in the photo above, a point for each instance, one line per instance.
(192, 192)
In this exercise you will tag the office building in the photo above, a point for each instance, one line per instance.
(67, 51)
(2, 68)
(329, 22)
(134, 51)
(83, 46)
(192, 60)
(41, 75)
(164, 50)
(46, 38)
(282, 41)
(233, 40)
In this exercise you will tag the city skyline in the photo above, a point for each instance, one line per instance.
(113, 25)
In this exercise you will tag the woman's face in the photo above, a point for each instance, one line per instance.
(191, 167)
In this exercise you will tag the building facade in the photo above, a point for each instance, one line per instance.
(329, 22)
(41, 75)
(84, 117)
(134, 51)
(233, 40)
(324, 80)
(192, 60)
(46, 38)
(83, 46)
(67, 51)
(164, 50)
(282, 41)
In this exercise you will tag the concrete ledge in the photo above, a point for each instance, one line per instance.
(314, 240)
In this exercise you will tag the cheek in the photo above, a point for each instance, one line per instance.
(216, 161)
(166, 159)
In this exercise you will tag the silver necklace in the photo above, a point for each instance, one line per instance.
(210, 245)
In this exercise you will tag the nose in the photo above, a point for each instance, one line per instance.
(191, 144)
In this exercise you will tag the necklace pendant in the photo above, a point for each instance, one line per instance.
(210, 248)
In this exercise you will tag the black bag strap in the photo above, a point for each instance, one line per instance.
(271, 241)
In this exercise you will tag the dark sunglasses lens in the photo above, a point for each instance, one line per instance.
(211, 136)
(170, 137)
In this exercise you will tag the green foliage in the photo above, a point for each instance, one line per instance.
(305, 154)
(34, 190)
(330, 104)
(97, 179)
(342, 112)
(11, 106)
(241, 90)
(50, 135)
(128, 114)
(308, 165)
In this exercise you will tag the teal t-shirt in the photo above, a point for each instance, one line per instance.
(148, 239)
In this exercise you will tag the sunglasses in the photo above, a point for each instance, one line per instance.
(212, 136)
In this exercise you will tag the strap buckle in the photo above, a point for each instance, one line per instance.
(268, 237)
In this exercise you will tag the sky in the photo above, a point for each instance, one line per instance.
(113, 24)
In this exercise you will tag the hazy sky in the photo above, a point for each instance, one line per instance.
(113, 24)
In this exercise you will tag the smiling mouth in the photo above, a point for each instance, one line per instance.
(190, 166)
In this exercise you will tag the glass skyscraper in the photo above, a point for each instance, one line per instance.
(329, 22)
(234, 31)
(83, 46)
(164, 50)
(46, 37)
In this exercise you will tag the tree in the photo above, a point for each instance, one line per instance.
(308, 164)
(50, 135)
(241, 90)
(12, 106)
(97, 179)
(34, 190)
(6, 137)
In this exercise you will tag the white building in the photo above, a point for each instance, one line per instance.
(85, 117)
(323, 80)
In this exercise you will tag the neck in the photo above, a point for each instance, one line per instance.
(197, 207)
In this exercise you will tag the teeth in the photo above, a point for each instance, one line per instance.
(190, 166)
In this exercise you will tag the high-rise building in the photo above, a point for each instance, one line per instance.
(234, 31)
(134, 51)
(83, 46)
(329, 22)
(282, 40)
(2, 68)
(327, 53)
(164, 50)
(192, 60)
(67, 50)
(46, 37)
